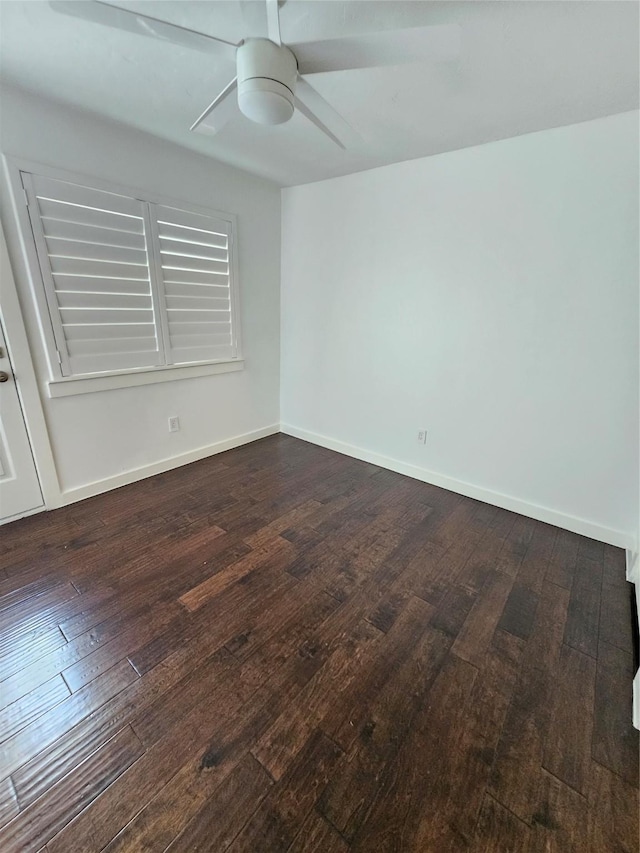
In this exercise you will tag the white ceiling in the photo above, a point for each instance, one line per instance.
(524, 66)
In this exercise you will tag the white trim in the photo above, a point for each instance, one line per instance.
(71, 385)
(25, 375)
(540, 513)
(25, 514)
(98, 487)
(633, 566)
(21, 165)
(636, 700)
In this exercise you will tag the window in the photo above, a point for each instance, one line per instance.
(131, 285)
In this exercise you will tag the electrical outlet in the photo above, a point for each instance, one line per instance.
(422, 436)
(174, 424)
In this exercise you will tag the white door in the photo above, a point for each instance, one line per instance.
(19, 486)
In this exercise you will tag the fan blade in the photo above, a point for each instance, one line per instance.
(122, 19)
(273, 21)
(395, 47)
(254, 18)
(223, 108)
(312, 105)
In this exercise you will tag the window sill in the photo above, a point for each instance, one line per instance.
(108, 381)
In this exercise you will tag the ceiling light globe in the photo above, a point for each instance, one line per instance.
(265, 101)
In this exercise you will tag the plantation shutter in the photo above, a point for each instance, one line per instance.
(194, 267)
(93, 253)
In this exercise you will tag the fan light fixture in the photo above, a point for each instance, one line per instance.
(267, 75)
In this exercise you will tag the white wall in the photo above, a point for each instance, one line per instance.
(99, 436)
(489, 295)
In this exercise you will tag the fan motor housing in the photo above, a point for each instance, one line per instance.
(267, 75)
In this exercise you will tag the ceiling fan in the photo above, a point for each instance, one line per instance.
(271, 77)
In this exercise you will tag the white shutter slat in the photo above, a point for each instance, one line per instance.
(192, 236)
(103, 269)
(104, 300)
(86, 332)
(172, 248)
(61, 212)
(177, 305)
(100, 284)
(196, 290)
(188, 220)
(210, 352)
(173, 276)
(92, 249)
(62, 191)
(106, 345)
(190, 329)
(104, 316)
(184, 325)
(185, 341)
(195, 271)
(95, 251)
(92, 234)
(115, 360)
(181, 262)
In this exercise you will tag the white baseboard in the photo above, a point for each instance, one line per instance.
(633, 576)
(539, 513)
(633, 566)
(25, 514)
(99, 486)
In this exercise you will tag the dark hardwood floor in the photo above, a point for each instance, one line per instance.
(283, 649)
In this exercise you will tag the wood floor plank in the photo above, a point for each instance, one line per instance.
(535, 563)
(9, 807)
(568, 743)
(29, 741)
(402, 799)
(284, 739)
(474, 637)
(19, 714)
(562, 565)
(350, 714)
(516, 546)
(455, 804)
(499, 830)
(27, 645)
(616, 622)
(515, 775)
(519, 611)
(39, 822)
(219, 821)
(612, 816)
(172, 766)
(559, 824)
(615, 740)
(276, 550)
(353, 792)
(452, 613)
(79, 743)
(317, 836)
(278, 819)
(583, 620)
(417, 671)
(122, 646)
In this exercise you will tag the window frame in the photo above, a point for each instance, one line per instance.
(59, 385)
